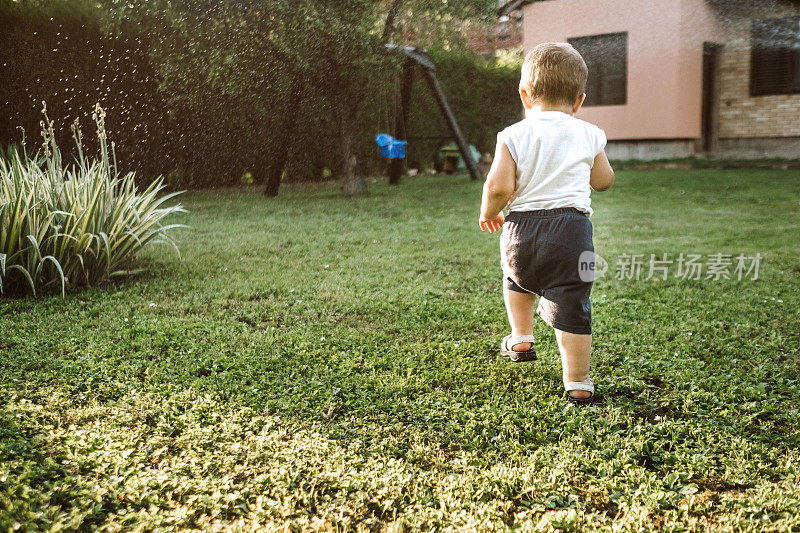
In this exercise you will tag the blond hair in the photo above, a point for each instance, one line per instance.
(554, 73)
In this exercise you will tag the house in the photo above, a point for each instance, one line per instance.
(504, 34)
(674, 78)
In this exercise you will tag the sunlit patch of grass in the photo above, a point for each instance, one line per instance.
(323, 363)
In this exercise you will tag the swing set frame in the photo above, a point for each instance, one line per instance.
(418, 56)
(414, 56)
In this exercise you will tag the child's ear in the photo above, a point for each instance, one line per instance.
(578, 103)
(527, 101)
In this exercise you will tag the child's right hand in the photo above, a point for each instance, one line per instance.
(492, 224)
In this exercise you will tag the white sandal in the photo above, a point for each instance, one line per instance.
(587, 385)
(517, 356)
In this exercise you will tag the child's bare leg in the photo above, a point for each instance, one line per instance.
(519, 306)
(575, 353)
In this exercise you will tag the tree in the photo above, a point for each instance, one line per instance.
(270, 53)
(347, 38)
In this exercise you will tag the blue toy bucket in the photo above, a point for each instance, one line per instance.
(391, 147)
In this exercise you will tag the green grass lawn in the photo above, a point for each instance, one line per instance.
(320, 363)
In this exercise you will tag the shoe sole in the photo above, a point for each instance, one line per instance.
(581, 401)
(520, 357)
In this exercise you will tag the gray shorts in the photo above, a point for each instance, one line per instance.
(540, 253)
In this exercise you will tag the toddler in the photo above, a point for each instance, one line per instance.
(544, 169)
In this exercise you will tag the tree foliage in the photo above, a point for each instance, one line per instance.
(205, 91)
(255, 50)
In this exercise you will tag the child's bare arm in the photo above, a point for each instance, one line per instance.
(498, 189)
(602, 175)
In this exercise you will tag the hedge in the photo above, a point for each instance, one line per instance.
(66, 54)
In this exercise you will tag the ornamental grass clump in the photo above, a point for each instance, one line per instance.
(70, 225)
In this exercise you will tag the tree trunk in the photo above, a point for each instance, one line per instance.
(396, 165)
(293, 102)
(347, 117)
(391, 19)
(274, 180)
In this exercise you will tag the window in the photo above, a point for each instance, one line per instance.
(775, 56)
(606, 57)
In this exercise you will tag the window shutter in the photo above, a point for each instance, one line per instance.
(606, 57)
(775, 56)
(770, 71)
(593, 84)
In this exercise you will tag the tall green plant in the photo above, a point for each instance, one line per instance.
(63, 225)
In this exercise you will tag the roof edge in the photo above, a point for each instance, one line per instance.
(511, 5)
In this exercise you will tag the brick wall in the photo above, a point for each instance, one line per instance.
(741, 115)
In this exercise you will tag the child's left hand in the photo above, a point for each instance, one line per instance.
(492, 224)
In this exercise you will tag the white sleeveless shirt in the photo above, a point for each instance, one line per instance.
(554, 153)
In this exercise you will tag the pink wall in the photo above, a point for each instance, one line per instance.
(698, 25)
(665, 44)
